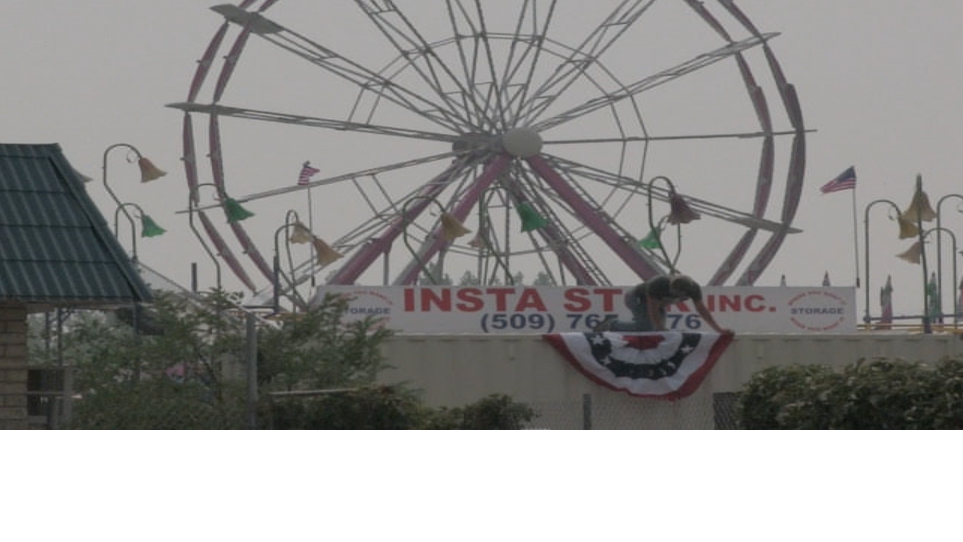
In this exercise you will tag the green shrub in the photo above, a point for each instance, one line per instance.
(393, 407)
(496, 411)
(876, 394)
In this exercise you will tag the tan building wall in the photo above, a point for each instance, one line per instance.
(13, 367)
(453, 370)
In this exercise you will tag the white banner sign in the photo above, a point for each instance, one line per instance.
(521, 309)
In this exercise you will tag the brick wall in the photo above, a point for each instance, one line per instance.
(13, 367)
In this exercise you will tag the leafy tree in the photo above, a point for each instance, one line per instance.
(316, 350)
(469, 279)
(177, 377)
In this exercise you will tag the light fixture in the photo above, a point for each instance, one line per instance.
(651, 241)
(149, 228)
(300, 234)
(913, 254)
(479, 241)
(148, 171)
(235, 213)
(531, 220)
(452, 228)
(907, 228)
(681, 212)
(325, 253)
(919, 209)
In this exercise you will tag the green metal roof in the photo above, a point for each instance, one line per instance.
(55, 246)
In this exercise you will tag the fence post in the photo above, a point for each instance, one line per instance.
(586, 411)
(251, 355)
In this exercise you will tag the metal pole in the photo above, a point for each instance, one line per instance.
(587, 411)
(251, 355)
(939, 270)
(191, 204)
(110, 192)
(867, 318)
(927, 328)
(939, 251)
(68, 390)
(855, 239)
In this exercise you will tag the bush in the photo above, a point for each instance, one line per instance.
(392, 407)
(380, 407)
(493, 412)
(877, 394)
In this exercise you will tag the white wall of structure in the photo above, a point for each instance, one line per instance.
(454, 370)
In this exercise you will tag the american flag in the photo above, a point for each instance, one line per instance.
(306, 172)
(660, 365)
(844, 181)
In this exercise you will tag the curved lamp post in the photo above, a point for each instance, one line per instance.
(679, 213)
(288, 224)
(324, 254)
(906, 230)
(148, 171)
(482, 242)
(939, 238)
(451, 229)
(148, 228)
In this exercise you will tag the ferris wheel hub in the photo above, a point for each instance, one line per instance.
(522, 142)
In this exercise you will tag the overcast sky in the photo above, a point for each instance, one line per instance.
(879, 82)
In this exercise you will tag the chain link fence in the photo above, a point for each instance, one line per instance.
(51, 408)
(607, 411)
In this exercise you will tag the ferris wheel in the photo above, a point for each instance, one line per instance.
(536, 128)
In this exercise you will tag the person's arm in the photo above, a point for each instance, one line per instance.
(654, 306)
(708, 318)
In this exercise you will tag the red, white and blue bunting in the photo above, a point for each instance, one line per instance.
(662, 365)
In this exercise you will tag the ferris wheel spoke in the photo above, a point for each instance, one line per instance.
(469, 26)
(365, 79)
(584, 56)
(492, 80)
(688, 137)
(459, 207)
(314, 122)
(336, 179)
(560, 239)
(583, 230)
(411, 45)
(660, 193)
(368, 231)
(592, 218)
(362, 259)
(652, 81)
